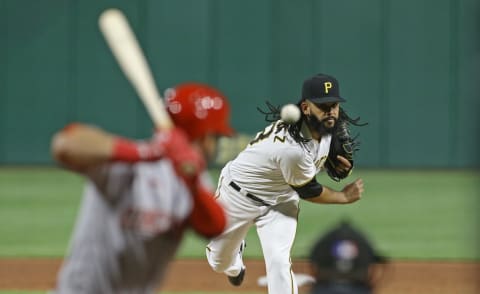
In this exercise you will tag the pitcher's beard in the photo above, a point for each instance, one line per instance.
(321, 126)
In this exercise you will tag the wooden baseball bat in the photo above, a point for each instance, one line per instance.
(126, 49)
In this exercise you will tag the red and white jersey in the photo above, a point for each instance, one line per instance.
(128, 229)
(274, 161)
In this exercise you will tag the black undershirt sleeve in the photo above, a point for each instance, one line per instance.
(309, 190)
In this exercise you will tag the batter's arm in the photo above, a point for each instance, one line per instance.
(208, 217)
(349, 194)
(79, 147)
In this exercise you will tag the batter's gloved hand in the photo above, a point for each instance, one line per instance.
(187, 160)
(339, 163)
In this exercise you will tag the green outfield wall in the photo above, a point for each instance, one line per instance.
(410, 68)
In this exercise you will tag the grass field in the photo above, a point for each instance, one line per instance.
(420, 215)
(407, 214)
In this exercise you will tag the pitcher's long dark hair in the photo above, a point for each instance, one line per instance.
(273, 114)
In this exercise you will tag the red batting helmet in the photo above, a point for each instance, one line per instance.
(199, 110)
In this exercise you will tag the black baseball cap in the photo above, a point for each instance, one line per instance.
(321, 88)
(345, 252)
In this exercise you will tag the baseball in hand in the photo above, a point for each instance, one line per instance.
(290, 113)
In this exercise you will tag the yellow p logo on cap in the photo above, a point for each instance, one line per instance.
(328, 86)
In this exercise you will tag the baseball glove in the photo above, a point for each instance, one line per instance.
(342, 144)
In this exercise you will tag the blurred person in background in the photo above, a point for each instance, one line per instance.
(141, 196)
(343, 261)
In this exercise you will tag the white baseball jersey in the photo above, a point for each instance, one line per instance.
(129, 227)
(274, 162)
(255, 189)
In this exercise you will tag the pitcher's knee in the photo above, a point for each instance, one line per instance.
(279, 266)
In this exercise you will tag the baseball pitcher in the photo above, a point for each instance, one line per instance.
(262, 186)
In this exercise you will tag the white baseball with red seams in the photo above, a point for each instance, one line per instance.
(290, 113)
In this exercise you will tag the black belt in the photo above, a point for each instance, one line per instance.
(253, 197)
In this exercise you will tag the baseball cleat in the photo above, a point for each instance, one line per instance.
(238, 279)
